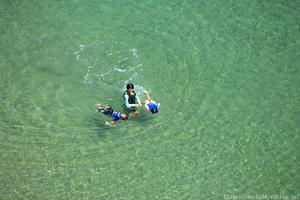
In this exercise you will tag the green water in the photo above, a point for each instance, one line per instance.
(225, 72)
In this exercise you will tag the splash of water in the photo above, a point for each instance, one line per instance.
(113, 69)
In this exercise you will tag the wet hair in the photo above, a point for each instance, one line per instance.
(154, 110)
(130, 85)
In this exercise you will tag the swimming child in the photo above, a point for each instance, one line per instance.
(151, 105)
(111, 113)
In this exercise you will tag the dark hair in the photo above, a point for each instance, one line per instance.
(154, 110)
(130, 85)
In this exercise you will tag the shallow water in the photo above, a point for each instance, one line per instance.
(226, 75)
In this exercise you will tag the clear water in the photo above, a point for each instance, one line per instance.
(225, 72)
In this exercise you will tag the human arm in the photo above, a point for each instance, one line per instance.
(146, 105)
(110, 123)
(147, 95)
(139, 101)
(128, 105)
(134, 113)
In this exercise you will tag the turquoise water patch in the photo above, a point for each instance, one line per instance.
(225, 73)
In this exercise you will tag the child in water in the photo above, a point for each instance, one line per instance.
(111, 113)
(151, 105)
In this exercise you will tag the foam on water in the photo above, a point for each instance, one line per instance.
(121, 71)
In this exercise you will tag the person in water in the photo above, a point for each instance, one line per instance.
(111, 113)
(151, 105)
(131, 100)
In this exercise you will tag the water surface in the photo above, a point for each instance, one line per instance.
(225, 72)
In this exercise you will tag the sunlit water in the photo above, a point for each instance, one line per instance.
(226, 74)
